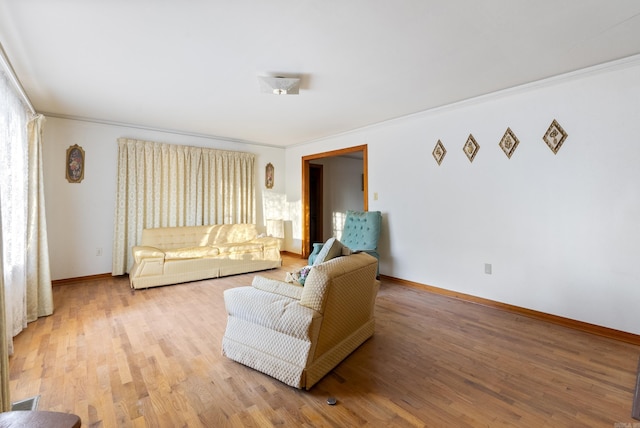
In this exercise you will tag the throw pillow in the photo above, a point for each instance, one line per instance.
(299, 276)
(304, 272)
(330, 250)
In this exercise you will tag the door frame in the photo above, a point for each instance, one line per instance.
(305, 250)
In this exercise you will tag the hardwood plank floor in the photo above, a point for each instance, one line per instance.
(119, 358)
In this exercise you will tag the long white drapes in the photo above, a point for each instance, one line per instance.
(39, 292)
(162, 185)
(25, 281)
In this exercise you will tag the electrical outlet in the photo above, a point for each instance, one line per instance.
(487, 268)
(98, 251)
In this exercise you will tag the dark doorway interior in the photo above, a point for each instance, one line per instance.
(307, 188)
(315, 204)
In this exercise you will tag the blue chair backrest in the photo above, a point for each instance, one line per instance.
(362, 230)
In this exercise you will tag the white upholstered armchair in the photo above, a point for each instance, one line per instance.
(298, 334)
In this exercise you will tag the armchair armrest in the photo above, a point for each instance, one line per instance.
(282, 288)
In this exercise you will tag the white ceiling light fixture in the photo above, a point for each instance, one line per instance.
(279, 85)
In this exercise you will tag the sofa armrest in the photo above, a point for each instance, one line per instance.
(293, 291)
(270, 247)
(143, 252)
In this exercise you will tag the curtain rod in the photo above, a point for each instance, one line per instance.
(11, 74)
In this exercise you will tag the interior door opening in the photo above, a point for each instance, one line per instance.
(316, 217)
(310, 209)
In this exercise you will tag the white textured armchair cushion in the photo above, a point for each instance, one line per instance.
(273, 311)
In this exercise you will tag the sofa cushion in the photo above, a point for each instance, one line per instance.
(232, 233)
(330, 250)
(165, 238)
(239, 248)
(190, 253)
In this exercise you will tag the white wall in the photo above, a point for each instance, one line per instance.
(80, 215)
(562, 231)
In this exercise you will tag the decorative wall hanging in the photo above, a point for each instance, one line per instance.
(75, 164)
(268, 176)
(555, 136)
(439, 152)
(509, 143)
(471, 148)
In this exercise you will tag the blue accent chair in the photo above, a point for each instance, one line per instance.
(361, 232)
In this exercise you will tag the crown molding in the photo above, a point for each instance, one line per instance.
(155, 129)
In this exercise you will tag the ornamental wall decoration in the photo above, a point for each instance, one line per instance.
(74, 164)
(269, 176)
(555, 136)
(471, 148)
(509, 143)
(439, 152)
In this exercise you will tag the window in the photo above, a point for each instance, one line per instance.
(13, 196)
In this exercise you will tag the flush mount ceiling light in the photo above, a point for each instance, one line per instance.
(279, 85)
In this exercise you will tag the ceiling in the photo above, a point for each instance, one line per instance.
(192, 66)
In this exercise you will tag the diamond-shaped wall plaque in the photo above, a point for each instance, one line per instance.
(439, 152)
(509, 143)
(471, 148)
(555, 136)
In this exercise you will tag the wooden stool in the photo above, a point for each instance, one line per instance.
(37, 419)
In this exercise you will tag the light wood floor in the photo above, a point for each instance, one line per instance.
(152, 358)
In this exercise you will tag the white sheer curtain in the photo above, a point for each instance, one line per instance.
(25, 279)
(13, 190)
(161, 185)
(5, 400)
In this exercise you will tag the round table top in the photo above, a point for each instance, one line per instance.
(38, 419)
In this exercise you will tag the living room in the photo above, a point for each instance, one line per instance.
(558, 229)
(550, 231)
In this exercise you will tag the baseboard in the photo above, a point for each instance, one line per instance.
(619, 335)
(103, 276)
(100, 276)
(635, 411)
(290, 254)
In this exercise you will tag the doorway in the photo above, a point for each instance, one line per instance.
(308, 206)
(316, 214)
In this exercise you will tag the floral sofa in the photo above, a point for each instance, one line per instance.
(171, 255)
